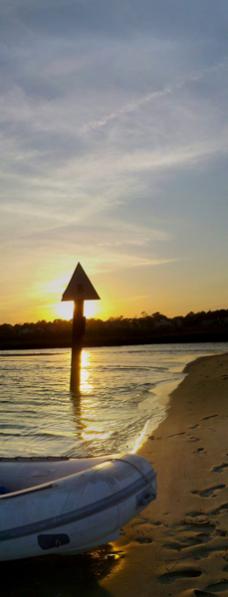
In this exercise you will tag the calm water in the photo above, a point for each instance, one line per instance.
(123, 397)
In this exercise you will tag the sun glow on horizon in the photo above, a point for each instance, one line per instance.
(53, 289)
(64, 310)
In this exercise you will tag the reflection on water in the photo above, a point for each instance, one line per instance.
(55, 576)
(114, 402)
(86, 380)
(75, 374)
(80, 379)
(79, 386)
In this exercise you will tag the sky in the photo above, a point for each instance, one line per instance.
(114, 153)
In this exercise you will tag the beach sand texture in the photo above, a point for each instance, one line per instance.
(179, 544)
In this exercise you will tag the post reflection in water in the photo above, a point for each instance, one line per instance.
(75, 377)
(80, 386)
(80, 383)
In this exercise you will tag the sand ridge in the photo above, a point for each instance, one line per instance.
(179, 545)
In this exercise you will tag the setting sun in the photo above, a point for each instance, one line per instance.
(65, 310)
(91, 308)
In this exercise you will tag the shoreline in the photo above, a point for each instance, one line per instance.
(163, 391)
(163, 340)
(178, 545)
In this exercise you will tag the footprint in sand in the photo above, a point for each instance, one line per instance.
(217, 548)
(222, 533)
(196, 521)
(209, 417)
(220, 509)
(200, 593)
(197, 514)
(156, 523)
(176, 434)
(143, 539)
(220, 468)
(219, 586)
(175, 545)
(179, 573)
(188, 541)
(209, 491)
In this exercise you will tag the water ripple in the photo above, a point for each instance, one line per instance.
(119, 400)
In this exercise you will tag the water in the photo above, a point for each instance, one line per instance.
(123, 397)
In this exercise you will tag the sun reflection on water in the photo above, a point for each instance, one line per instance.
(120, 395)
(81, 388)
(86, 385)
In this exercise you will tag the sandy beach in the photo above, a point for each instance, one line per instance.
(179, 544)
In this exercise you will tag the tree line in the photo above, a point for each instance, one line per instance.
(156, 328)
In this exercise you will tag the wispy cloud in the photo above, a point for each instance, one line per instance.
(109, 114)
(148, 98)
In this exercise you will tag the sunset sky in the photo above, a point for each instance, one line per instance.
(114, 153)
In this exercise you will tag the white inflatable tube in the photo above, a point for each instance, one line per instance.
(71, 505)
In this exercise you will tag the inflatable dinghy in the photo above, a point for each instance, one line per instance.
(69, 505)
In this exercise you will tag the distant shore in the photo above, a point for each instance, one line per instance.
(119, 331)
(178, 545)
(186, 340)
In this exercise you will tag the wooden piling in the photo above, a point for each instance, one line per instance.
(78, 290)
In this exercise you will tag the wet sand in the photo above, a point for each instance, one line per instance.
(179, 545)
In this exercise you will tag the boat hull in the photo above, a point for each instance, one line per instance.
(76, 512)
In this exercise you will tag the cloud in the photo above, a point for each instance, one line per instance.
(148, 98)
(115, 18)
(103, 107)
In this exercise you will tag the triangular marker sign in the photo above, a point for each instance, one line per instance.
(80, 287)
